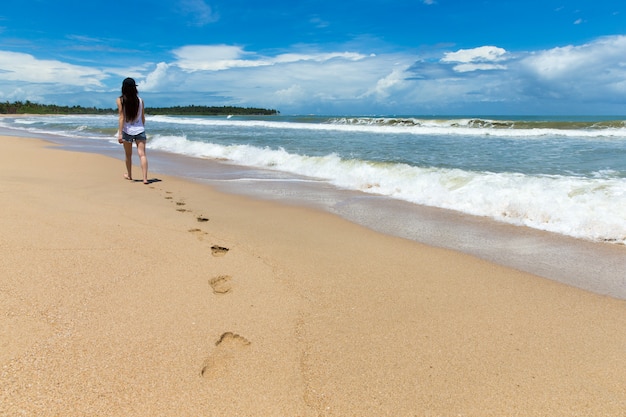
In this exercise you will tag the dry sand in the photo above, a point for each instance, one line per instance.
(120, 299)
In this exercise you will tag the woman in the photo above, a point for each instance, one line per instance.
(132, 119)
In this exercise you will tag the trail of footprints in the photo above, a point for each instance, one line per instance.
(229, 344)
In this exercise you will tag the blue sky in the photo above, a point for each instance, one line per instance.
(371, 57)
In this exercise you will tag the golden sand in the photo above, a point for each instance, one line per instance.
(170, 299)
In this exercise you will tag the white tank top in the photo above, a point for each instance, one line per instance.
(136, 126)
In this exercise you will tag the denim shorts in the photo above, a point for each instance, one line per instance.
(130, 138)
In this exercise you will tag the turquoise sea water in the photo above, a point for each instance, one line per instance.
(563, 175)
(491, 187)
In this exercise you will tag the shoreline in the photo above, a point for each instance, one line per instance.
(564, 259)
(176, 299)
(593, 266)
(560, 258)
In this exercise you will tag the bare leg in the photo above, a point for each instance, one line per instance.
(141, 150)
(128, 150)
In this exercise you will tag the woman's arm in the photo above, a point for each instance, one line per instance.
(120, 120)
(143, 112)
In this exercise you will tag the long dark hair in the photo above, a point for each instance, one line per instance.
(130, 99)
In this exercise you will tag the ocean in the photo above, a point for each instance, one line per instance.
(561, 179)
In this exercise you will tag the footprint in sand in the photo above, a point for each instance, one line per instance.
(227, 347)
(217, 250)
(221, 284)
(202, 219)
(199, 233)
(232, 339)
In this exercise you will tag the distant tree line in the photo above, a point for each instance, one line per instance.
(210, 111)
(28, 107)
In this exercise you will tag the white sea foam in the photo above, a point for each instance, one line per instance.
(589, 208)
(81, 126)
(25, 121)
(587, 203)
(455, 127)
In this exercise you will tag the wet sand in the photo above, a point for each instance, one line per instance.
(118, 298)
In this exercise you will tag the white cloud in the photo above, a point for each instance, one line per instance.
(353, 82)
(198, 11)
(318, 57)
(573, 78)
(584, 62)
(223, 57)
(16, 66)
(478, 67)
(319, 23)
(291, 80)
(156, 79)
(292, 94)
(17, 94)
(211, 58)
(482, 58)
(387, 85)
(589, 78)
(554, 63)
(481, 54)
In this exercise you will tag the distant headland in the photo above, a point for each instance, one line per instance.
(28, 107)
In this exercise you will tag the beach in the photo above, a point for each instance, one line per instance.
(173, 299)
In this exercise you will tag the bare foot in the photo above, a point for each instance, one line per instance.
(146, 182)
(128, 177)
